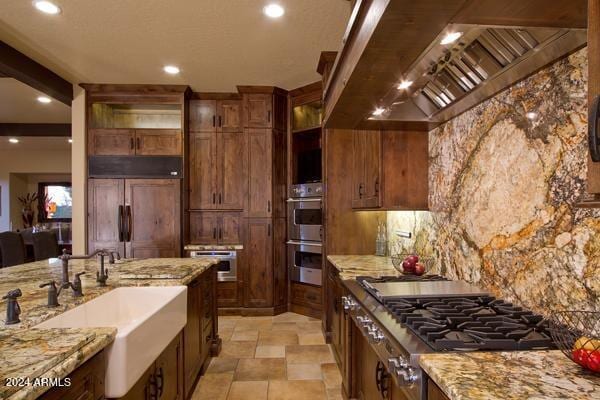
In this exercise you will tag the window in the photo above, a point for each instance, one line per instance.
(55, 202)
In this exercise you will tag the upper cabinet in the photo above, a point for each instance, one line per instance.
(389, 170)
(129, 120)
(216, 115)
(429, 76)
(264, 107)
(218, 155)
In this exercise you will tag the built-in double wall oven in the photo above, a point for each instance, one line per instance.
(305, 233)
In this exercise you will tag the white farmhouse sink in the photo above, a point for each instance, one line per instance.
(147, 319)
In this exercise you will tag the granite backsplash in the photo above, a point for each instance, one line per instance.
(504, 179)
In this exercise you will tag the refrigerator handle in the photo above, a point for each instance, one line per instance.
(120, 223)
(129, 223)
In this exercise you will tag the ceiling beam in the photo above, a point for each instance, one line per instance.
(17, 65)
(35, 130)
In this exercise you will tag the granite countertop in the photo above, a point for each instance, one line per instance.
(510, 376)
(215, 247)
(57, 351)
(351, 266)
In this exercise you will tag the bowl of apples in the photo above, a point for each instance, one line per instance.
(577, 335)
(412, 264)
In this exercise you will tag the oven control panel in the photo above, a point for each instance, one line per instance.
(397, 363)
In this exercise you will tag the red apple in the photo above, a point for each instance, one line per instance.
(413, 259)
(407, 266)
(419, 269)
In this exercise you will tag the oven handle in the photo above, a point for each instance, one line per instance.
(311, 199)
(298, 243)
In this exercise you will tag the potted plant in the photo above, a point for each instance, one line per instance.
(27, 211)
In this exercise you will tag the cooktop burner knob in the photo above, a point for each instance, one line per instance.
(403, 362)
(376, 336)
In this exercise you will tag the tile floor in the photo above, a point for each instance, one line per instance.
(276, 358)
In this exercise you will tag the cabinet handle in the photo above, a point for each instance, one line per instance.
(220, 199)
(360, 190)
(214, 198)
(382, 379)
(129, 221)
(131, 145)
(220, 124)
(160, 382)
(377, 186)
(268, 205)
(214, 233)
(220, 233)
(120, 222)
(593, 139)
(214, 121)
(269, 116)
(269, 230)
(137, 143)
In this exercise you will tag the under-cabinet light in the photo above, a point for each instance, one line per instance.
(405, 85)
(451, 38)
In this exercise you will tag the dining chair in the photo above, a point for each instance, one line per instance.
(12, 248)
(45, 245)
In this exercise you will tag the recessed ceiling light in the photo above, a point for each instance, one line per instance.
(70, 140)
(171, 69)
(378, 111)
(405, 85)
(531, 115)
(273, 11)
(13, 140)
(44, 99)
(451, 38)
(47, 7)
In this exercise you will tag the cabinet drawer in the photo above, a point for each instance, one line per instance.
(306, 294)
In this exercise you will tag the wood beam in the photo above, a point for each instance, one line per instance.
(17, 65)
(36, 130)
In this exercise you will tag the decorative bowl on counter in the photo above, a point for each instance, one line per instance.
(398, 260)
(577, 335)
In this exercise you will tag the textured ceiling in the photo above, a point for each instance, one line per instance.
(218, 44)
(18, 104)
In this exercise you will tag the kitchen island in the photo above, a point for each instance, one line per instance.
(29, 353)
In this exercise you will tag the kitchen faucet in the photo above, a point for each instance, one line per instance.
(101, 277)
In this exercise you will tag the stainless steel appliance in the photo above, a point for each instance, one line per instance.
(227, 266)
(305, 260)
(305, 233)
(404, 317)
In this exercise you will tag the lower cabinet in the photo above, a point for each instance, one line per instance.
(306, 299)
(163, 380)
(434, 392)
(87, 382)
(199, 333)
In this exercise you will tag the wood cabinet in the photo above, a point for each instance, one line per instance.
(216, 228)
(390, 170)
(218, 170)
(260, 172)
(200, 332)
(258, 109)
(163, 380)
(259, 276)
(207, 115)
(434, 392)
(87, 382)
(137, 217)
(129, 142)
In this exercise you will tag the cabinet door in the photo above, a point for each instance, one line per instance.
(334, 308)
(366, 364)
(258, 109)
(87, 382)
(260, 172)
(192, 333)
(153, 209)
(105, 205)
(230, 116)
(143, 389)
(203, 116)
(232, 168)
(111, 142)
(203, 171)
(372, 175)
(230, 228)
(169, 371)
(358, 168)
(158, 142)
(204, 227)
(259, 271)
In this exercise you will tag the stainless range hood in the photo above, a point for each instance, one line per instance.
(448, 80)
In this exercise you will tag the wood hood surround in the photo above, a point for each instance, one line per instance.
(385, 40)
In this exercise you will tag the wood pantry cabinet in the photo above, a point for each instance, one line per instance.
(216, 227)
(218, 156)
(390, 170)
